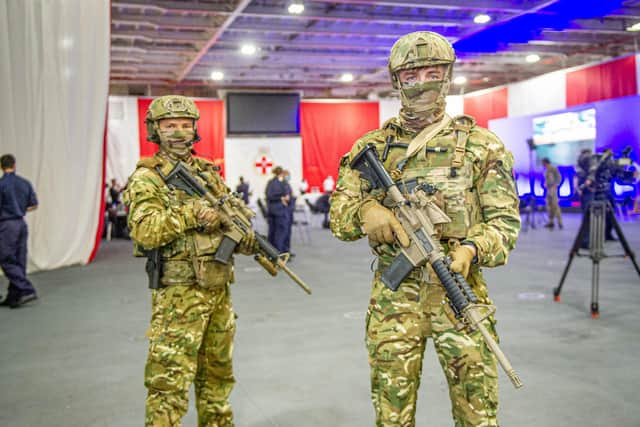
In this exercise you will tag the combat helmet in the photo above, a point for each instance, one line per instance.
(170, 107)
(420, 49)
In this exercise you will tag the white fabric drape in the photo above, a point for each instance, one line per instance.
(54, 78)
(123, 138)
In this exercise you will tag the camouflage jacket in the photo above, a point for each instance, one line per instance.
(552, 177)
(481, 199)
(160, 217)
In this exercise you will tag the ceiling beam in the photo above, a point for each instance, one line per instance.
(242, 5)
(173, 6)
(477, 5)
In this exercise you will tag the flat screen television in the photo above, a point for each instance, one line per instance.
(263, 113)
(561, 137)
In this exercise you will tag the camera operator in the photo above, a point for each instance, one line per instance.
(590, 189)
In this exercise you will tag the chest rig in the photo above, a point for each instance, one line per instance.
(440, 165)
(189, 259)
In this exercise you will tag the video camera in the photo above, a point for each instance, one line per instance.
(602, 168)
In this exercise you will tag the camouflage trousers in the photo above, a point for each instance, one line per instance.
(191, 341)
(552, 205)
(398, 325)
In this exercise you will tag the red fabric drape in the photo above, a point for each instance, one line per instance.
(96, 244)
(329, 130)
(210, 127)
(488, 106)
(604, 81)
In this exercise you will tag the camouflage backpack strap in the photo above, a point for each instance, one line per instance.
(462, 126)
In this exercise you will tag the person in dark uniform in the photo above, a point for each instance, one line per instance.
(16, 199)
(291, 205)
(278, 195)
(243, 189)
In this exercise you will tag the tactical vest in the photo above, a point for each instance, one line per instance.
(441, 163)
(188, 260)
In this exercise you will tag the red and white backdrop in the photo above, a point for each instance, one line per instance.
(328, 128)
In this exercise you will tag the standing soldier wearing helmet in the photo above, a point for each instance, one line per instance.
(192, 319)
(471, 173)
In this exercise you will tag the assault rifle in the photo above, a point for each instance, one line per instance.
(418, 213)
(237, 216)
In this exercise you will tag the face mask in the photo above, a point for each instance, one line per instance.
(287, 178)
(177, 143)
(422, 104)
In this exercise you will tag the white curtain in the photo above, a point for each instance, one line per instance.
(54, 79)
(123, 138)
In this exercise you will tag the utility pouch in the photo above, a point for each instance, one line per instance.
(209, 273)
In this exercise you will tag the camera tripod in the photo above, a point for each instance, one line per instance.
(529, 211)
(599, 211)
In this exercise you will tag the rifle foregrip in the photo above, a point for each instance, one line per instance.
(456, 297)
(225, 250)
(269, 250)
(397, 271)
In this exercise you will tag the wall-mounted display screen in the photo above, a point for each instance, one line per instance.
(263, 113)
(561, 137)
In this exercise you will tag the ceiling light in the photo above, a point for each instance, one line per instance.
(634, 27)
(217, 75)
(347, 77)
(248, 49)
(296, 8)
(460, 80)
(482, 18)
(532, 58)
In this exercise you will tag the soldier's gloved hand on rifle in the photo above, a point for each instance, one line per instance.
(462, 257)
(206, 216)
(381, 225)
(248, 245)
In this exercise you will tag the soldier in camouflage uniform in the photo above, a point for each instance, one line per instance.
(472, 171)
(192, 320)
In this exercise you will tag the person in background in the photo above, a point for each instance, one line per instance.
(328, 184)
(16, 199)
(243, 190)
(552, 180)
(278, 195)
(304, 186)
(291, 209)
(114, 193)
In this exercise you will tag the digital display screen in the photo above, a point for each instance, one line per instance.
(263, 113)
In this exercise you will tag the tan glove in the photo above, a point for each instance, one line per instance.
(462, 257)
(206, 217)
(381, 225)
(248, 245)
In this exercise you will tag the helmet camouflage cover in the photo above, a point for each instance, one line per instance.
(169, 107)
(419, 49)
